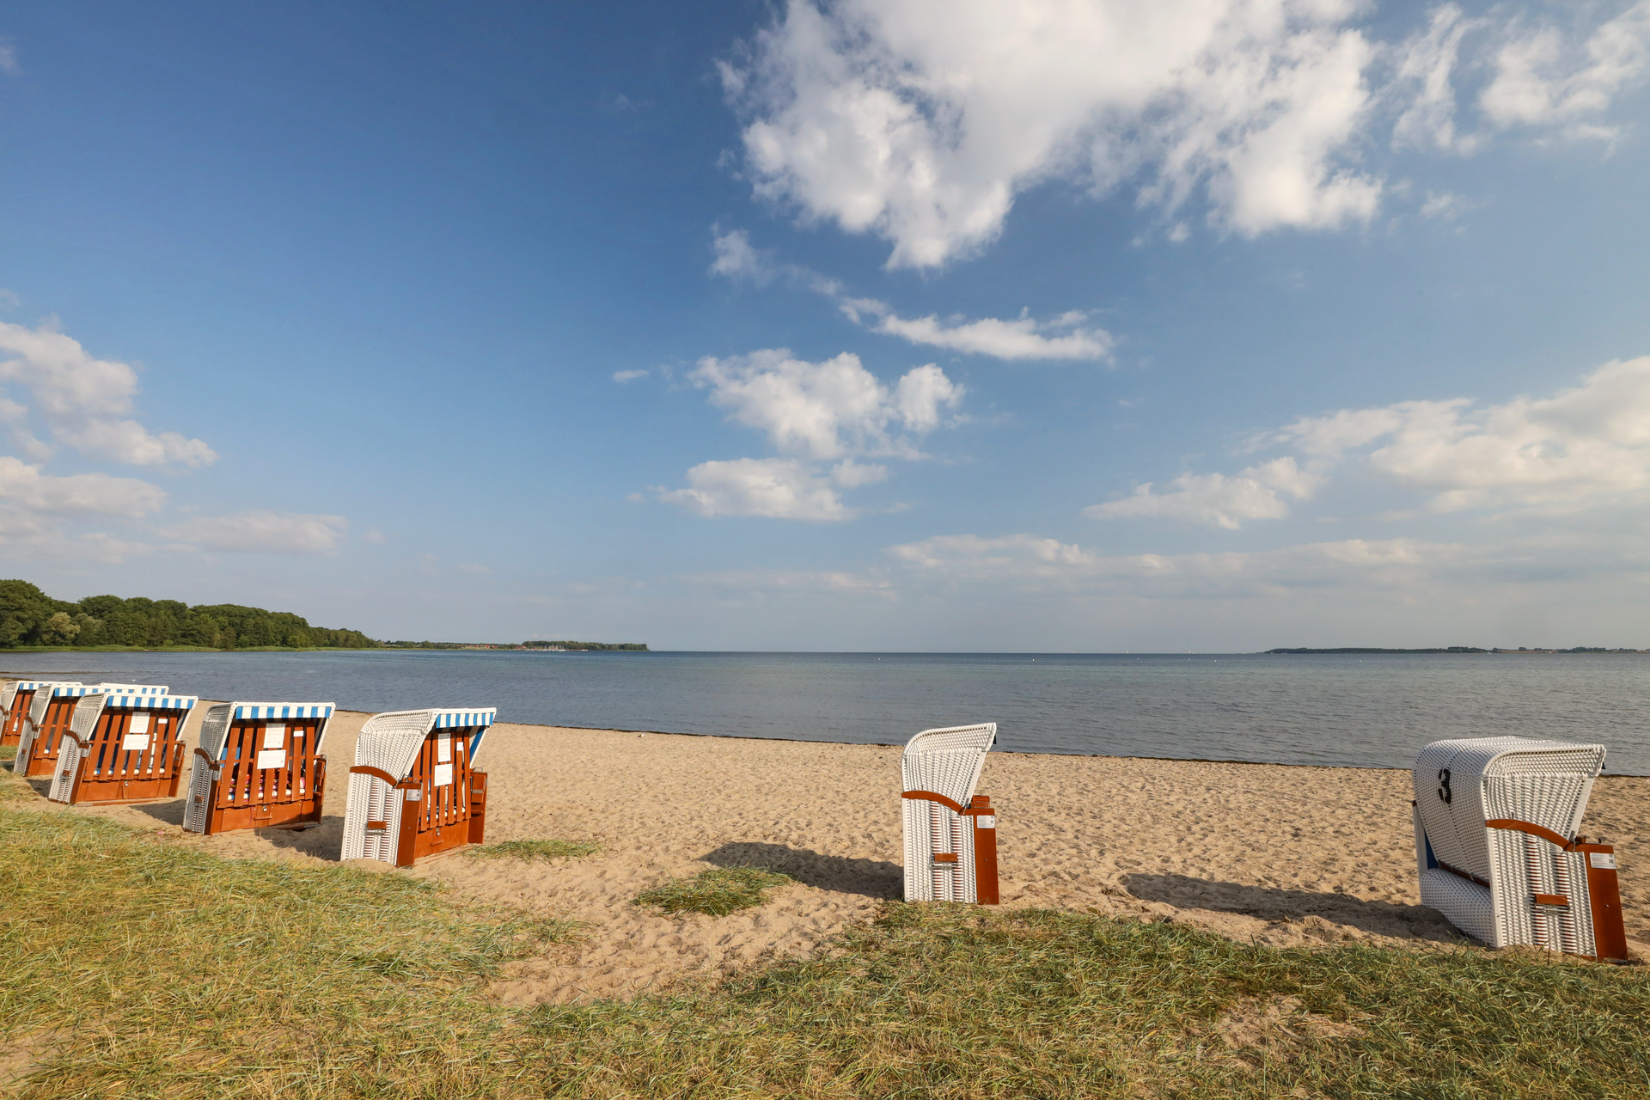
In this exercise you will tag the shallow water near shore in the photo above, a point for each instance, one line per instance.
(1358, 711)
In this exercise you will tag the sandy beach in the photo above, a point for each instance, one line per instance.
(1278, 855)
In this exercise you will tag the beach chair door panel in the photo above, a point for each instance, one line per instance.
(443, 773)
(12, 732)
(270, 775)
(49, 736)
(131, 755)
(383, 818)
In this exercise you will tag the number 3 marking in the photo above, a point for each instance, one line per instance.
(1443, 785)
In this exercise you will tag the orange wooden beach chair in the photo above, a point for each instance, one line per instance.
(15, 697)
(48, 720)
(259, 765)
(121, 748)
(412, 791)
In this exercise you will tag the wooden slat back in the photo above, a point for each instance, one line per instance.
(118, 751)
(53, 725)
(447, 803)
(12, 732)
(244, 783)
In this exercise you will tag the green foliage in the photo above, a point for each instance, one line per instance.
(28, 617)
(535, 849)
(716, 892)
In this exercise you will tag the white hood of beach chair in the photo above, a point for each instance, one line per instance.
(390, 741)
(1545, 783)
(947, 761)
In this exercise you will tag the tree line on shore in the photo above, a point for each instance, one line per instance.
(29, 617)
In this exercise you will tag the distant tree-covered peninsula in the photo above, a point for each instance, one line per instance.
(29, 617)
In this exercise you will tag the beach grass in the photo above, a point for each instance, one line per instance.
(535, 849)
(716, 892)
(140, 967)
(8, 753)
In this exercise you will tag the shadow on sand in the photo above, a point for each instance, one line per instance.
(872, 878)
(322, 841)
(1266, 903)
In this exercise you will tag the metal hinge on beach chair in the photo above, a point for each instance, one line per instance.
(1496, 847)
(950, 832)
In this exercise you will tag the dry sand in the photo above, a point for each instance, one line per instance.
(1279, 855)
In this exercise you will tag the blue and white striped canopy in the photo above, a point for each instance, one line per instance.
(152, 702)
(76, 690)
(453, 719)
(282, 710)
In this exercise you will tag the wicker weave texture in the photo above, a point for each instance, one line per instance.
(68, 766)
(214, 733)
(197, 803)
(84, 719)
(370, 799)
(1466, 905)
(947, 762)
(390, 743)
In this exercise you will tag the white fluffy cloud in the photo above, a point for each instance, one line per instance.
(1215, 499)
(1049, 563)
(827, 410)
(86, 401)
(1426, 70)
(780, 488)
(921, 120)
(1584, 447)
(817, 414)
(24, 488)
(1024, 337)
(1541, 78)
(1586, 444)
(262, 532)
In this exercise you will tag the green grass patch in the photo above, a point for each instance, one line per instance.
(136, 967)
(8, 753)
(156, 969)
(535, 849)
(716, 892)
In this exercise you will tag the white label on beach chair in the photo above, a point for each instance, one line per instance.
(444, 749)
(138, 724)
(1604, 861)
(986, 822)
(135, 741)
(443, 775)
(274, 738)
(272, 758)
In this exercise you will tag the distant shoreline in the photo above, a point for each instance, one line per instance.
(1454, 649)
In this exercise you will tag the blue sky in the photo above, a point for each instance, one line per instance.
(1087, 325)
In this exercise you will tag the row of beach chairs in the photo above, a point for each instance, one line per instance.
(413, 791)
(1495, 819)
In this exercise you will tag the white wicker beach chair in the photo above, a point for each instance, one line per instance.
(121, 747)
(50, 712)
(1496, 846)
(950, 833)
(16, 696)
(412, 791)
(259, 765)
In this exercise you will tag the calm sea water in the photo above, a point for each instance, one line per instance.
(1364, 711)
